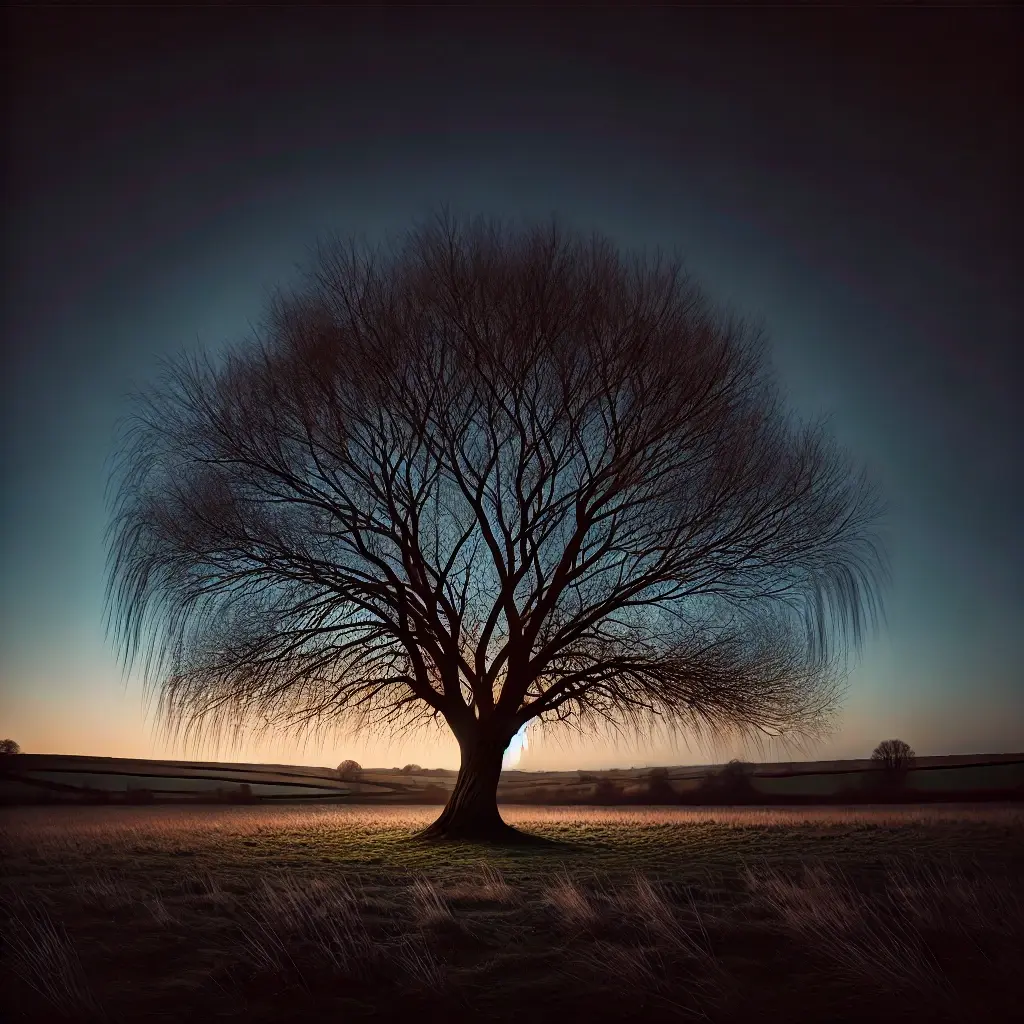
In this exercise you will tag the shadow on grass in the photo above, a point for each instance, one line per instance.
(507, 838)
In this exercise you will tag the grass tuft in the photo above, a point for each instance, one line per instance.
(865, 938)
(41, 953)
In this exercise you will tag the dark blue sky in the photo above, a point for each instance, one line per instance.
(847, 177)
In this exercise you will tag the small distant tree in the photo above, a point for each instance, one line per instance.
(349, 769)
(893, 755)
(606, 792)
(411, 769)
(737, 768)
(9, 747)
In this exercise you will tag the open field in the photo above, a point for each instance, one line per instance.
(327, 913)
(52, 778)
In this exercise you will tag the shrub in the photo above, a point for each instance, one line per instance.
(659, 789)
(730, 784)
(38, 949)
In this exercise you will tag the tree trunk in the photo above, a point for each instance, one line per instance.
(471, 813)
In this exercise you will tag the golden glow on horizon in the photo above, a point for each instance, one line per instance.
(101, 717)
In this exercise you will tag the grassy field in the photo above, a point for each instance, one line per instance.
(335, 913)
(53, 778)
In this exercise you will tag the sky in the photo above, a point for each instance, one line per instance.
(846, 177)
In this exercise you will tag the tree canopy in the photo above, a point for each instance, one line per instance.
(484, 477)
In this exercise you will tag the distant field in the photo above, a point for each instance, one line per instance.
(34, 778)
(335, 913)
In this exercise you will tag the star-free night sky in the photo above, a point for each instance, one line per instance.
(846, 177)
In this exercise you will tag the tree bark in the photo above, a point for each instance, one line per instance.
(471, 814)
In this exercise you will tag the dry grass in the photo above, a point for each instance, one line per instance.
(40, 952)
(107, 890)
(856, 934)
(421, 965)
(573, 905)
(659, 949)
(926, 923)
(943, 896)
(431, 905)
(313, 924)
(305, 913)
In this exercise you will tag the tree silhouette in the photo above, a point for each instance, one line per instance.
(732, 783)
(349, 769)
(9, 747)
(479, 478)
(893, 755)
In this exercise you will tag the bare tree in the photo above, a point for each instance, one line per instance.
(349, 769)
(9, 747)
(479, 478)
(893, 755)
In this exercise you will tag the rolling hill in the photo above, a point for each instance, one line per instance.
(48, 778)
